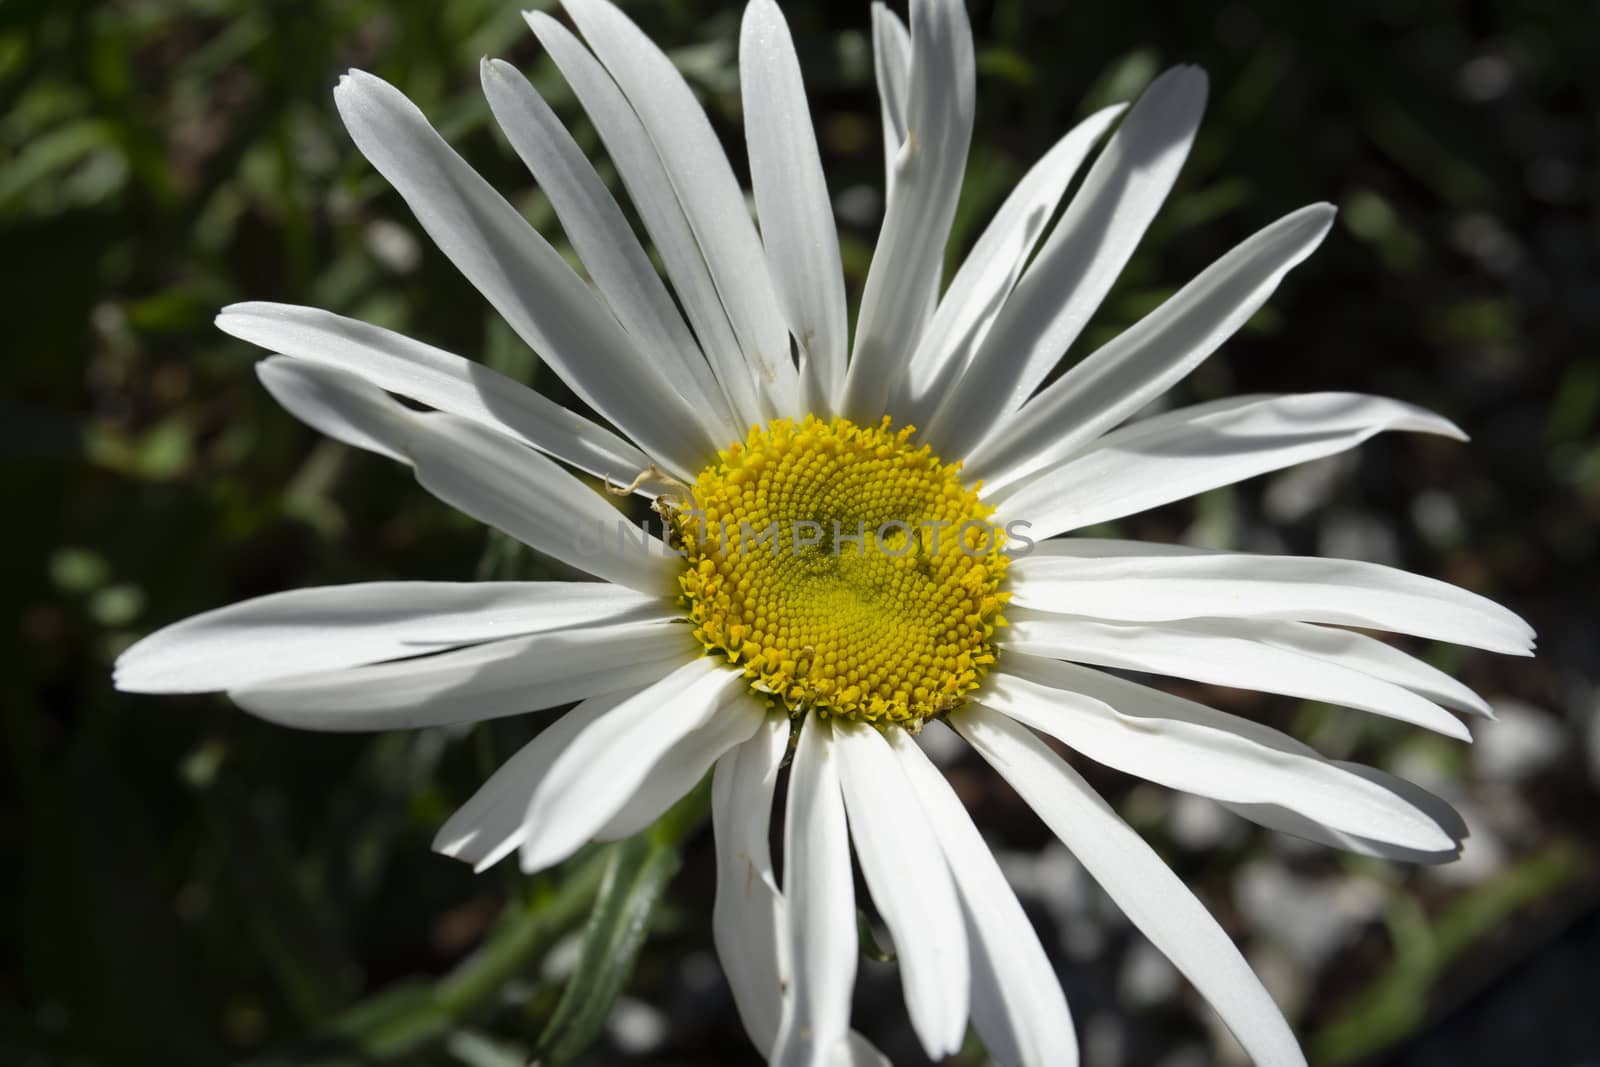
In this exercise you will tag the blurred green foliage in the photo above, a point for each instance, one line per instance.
(189, 886)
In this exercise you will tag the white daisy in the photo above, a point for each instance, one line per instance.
(853, 628)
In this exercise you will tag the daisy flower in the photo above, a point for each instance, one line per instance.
(862, 535)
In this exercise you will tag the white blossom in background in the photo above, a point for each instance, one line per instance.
(734, 389)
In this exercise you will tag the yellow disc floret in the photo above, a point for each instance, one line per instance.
(844, 569)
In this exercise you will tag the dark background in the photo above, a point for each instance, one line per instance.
(187, 886)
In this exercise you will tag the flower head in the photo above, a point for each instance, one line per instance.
(861, 538)
(845, 570)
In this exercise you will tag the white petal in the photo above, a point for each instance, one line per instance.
(1288, 821)
(1188, 746)
(481, 682)
(525, 279)
(1220, 652)
(891, 54)
(652, 194)
(1343, 648)
(1123, 580)
(433, 377)
(481, 472)
(819, 937)
(1366, 654)
(925, 184)
(1078, 263)
(748, 915)
(989, 272)
(712, 201)
(594, 777)
(1146, 359)
(485, 829)
(1153, 898)
(1017, 1004)
(684, 764)
(1143, 466)
(802, 244)
(604, 240)
(338, 404)
(910, 884)
(499, 482)
(340, 626)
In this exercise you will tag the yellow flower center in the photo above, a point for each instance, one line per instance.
(844, 569)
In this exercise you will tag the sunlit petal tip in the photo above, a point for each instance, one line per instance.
(449, 841)
(1442, 427)
(1176, 98)
(1317, 218)
(1189, 746)
(1275, 657)
(1173, 102)
(1284, 819)
(1184, 79)
(528, 862)
(355, 79)
(224, 318)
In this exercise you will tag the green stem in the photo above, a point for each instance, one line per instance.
(410, 1016)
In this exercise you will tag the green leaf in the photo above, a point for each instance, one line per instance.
(411, 1016)
(478, 1050)
(48, 156)
(504, 559)
(869, 940)
(1397, 1002)
(639, 871)
(403, 1021)
(393, 1023)
(78, 570)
